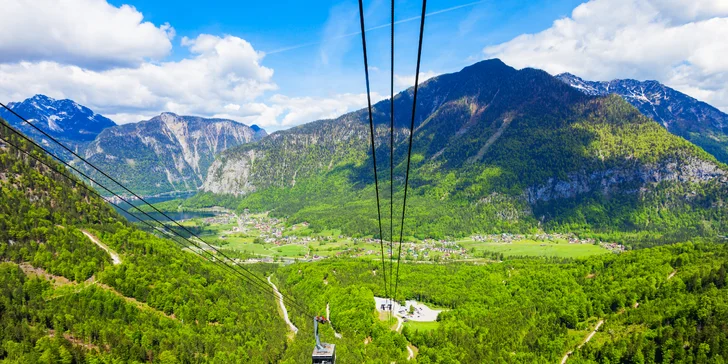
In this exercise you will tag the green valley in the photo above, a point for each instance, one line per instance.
(543, 226)
(261, 237)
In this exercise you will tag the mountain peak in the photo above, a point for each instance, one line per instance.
(567, 75)
(168, 152)
(42, 98)
(489, 65)
(61, 118)
(681, 114)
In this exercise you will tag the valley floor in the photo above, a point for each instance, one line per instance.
(260, 238)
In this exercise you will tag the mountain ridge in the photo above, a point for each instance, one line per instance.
(117, 148)
(681, 114)
(168, 152)
(495, 149)
(62, 118)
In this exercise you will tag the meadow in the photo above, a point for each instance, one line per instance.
(261, 236)
(531, 248)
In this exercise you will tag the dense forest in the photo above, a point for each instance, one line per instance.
(64, 301)
(660, 305)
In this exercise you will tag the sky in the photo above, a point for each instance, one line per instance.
(278, 64)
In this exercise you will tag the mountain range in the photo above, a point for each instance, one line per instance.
(69, 122)
(166, 154)
(495, 149)
(696, 121)
(79, 284)
(60, 118)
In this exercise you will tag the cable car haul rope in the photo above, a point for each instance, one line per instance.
(323, 353)
(219, 258)
(391, 294)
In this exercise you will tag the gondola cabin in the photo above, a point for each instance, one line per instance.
(326, 354)
(323, 353)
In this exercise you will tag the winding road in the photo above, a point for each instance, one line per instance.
(114, 257)
(290, 324)
(586, 340)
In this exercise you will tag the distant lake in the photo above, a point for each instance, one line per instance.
(175, 215)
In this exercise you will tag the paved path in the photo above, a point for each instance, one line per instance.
(586, 340)
(293, 328)
(411, 354)
(114, 257)
(672, 274)
(599, 324)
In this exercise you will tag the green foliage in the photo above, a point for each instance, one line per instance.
(165, 304)
(39, 210)
(162, 303)
(585, 165)
(535, 310)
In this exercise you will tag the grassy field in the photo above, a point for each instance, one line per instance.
(537, 248)
(291, 250)
(422, 326)
(331, 242)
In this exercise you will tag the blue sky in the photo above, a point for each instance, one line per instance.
(279, 64)
(453, 39)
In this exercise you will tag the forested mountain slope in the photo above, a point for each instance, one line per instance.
(660, 305)
(63, 300)
(681, 114)
(161, 304)
(495, 149)
(166, 153)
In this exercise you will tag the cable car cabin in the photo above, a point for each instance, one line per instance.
(323, 353)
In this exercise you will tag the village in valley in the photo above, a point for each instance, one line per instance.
(263, 238)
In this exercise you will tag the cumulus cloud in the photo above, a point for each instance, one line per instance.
(282, 111)
(406, 81)
(88, 33)
(109, 59)
(222, 71)
(678, 42)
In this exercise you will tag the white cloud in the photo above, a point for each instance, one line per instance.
(678, 42)
(125, 118)
(89, 33)
(111, 61)
(407, 81)
(281, 111)
(222, 71)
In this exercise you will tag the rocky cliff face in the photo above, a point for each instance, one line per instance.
(286, 156)
(637, 180)
(168, 152)
(232, 177)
